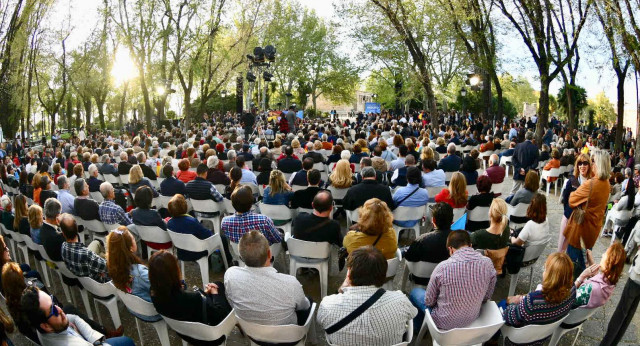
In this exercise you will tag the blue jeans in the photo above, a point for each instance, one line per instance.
(416, 297)
(120, 341)
(577, 257)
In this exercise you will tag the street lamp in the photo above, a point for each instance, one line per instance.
(463, 93)
(475, 80)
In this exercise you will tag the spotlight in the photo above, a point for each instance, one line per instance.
(267, 76)
(251, 77)
(258, 53)
(270, 53)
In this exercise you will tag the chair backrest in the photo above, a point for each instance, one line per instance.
(228, 206)
(136, 304)
(276, 212)
(478, 214)
(298, 187)
(448, 176)
(472, 189)
(434, 190)
(97, 289)
(530, 333)
(94, 226)
(479, 331)
(220, 187)
(458, 212)
(393, 264)
(124, 178)
(308, 249)
(190, 242)
(62, 267)
(112, 179)
(421, 269)
(254, 188)
(579, 315)
(505, 160)
(153, 234)
(532, 252)
(277, 334)
(204, 205)
(162, 201)
(409, 213)
(519, 210)
(305, 210)
(96, 196)
(337, 193)
(201, 331)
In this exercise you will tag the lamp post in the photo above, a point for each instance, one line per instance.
(463, 94)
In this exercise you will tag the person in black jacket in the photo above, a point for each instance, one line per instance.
(170, 185)
(171, 299)
(289, 164)
(482, 199)
(50, 236)
(369, 188)
(85, 208)
(525, 158)
(304, 198)
(432, 247)
(318, 226)
(46, 192)
(124, 166)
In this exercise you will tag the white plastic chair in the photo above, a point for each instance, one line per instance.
(190, 242)
(408, 336)
(44, 269)
(574, 320)
(295, 188)
(210, 207)
(433, 191)
(201, 331)
(305, 210)
(447, 177)
(278, 334)
(104, 294)
(96, 196)
(306, 254)
(485, 156)
(472, 189)
(506, 162)
(519, 211)
(228, 207)
(96, 229)
(153, 234)
(279, 213)
(622, 218)
(531, 253)
(552, 173)
(409, 214)
(479, 331)
(337, 194)
(479, 214)
(124, 179)
(420, 269)
(162, 201)
(352, 217)
(64, 271)
(530, 333)
(145, 308)
(18, 241)
(392, 269)
(458, 212)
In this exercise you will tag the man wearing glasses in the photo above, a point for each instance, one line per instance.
(54, 327)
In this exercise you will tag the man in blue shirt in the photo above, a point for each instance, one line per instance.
(247, 175)
(432, 177)
(411, 195)
(513, 133)
(66, 199)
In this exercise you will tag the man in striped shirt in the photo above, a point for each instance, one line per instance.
(458, 286)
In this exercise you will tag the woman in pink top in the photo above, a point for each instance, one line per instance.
(596, 284)
(184, 174)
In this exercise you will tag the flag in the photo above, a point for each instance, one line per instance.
(300, 114)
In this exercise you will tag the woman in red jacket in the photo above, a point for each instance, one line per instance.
(456, 194)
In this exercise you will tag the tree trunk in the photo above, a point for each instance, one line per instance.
(122, 104)
(148, 110)
(620, 121)
(100, 106)
(69, 113)
(87, 111)
(500, 106)
(543, 111)
(78, 107)
(53, 123)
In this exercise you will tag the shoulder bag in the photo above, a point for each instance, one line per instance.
(578, 213)
(355, 313)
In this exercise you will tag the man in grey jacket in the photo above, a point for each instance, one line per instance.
(291, 119)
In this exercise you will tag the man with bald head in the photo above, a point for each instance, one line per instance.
(318, 226)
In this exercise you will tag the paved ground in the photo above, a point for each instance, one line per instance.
(592, 332)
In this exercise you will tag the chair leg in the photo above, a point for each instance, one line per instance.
(405, 277)
(557, 335)
(203, 263)
(423, 330)
(324, 269)
(112, 306)
(163, 332)
(87, 305)
(512, 284)
(65, 288)
(45, 273)
(139, 331)
(577, 334)
(25, 254)
(292, 266)
(530, 278)
(95, 305)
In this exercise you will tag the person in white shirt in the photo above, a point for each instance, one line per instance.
(260, 294)
(536, 230)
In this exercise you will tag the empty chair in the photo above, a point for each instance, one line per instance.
(552, 173)
(574, 320)
(420, 269)
(289, 334)
(479, 331)
(409, 214)
(201, 331)
(531, 253)
(104, 294)
(207, 209)
(392, 269)
(145, 308)
(530, 333)
(306, 254)
(190, 242)
(279, 214)
(44, 269)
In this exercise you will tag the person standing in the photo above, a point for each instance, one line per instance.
(525, 158)
(291, 119)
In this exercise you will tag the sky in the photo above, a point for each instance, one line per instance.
(594, 75)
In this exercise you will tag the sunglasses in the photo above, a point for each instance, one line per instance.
(583, 163)
(54, 312)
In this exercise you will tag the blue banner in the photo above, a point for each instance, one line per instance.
(372, 107)
(300, 114)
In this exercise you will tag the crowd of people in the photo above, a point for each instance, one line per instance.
(363, 168)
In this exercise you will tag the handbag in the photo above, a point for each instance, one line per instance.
(578, 213)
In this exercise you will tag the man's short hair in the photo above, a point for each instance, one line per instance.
(313, 177)
(429, 164)
(367, 266)
(288, 150)
(403, 150)
(177, 205)
(30, 304)
(322, 201)
(78, 185)
(143, 197)
(451, 148)
(410, 160)
(92, 169)
(202, 169)
(528, 136)
(442, 213)
(242, 199)
(62, 180)
(240, 160)
(52, 208)
(254, 249)
(68, 226)
(167, 170)
(458, 239)
(307, 163)
(368, 172)
(414, 176)
(366, 162)
(105, 189)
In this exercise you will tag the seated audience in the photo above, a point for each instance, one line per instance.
(85, 207)
(143, 215)
(110, 212)
(82, 260)
(278, 192)
(304, 198)
(536, 230)
(46, 192)
(265, 168)
(431, 176)
(35, 222)
(50, 235)
(482, 199)
(374, 227)
(184, 174)
(93, 181)
(202, 189)
(596, 284)
(358, 194)
(470, 169)
(170, 185)
(21, 217)
(494, 171)
(524, 195)
(451, 162)
(65, 197)
(341, 177)
(411, 195)
(214, 174)
(384, 322)
(496, 236)
(456, 194)
(245, 220)
(626, 203)
(137, 179)
(318, 226)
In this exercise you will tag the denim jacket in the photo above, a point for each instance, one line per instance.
(141, 287)
(281, 198)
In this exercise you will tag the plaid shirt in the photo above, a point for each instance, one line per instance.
(112, 213)
(235, 226)
(458, 287)
(83, 262)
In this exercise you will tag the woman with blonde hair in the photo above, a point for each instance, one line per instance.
(426, 154)
(592, 197)
(374, 227)
(137, 179)
(581, 173)
(550, 302)
(126, 270)
(341, 176)
(297, 150)
(497, 235)
(35, 222)
(456, 194)
(278, 192)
